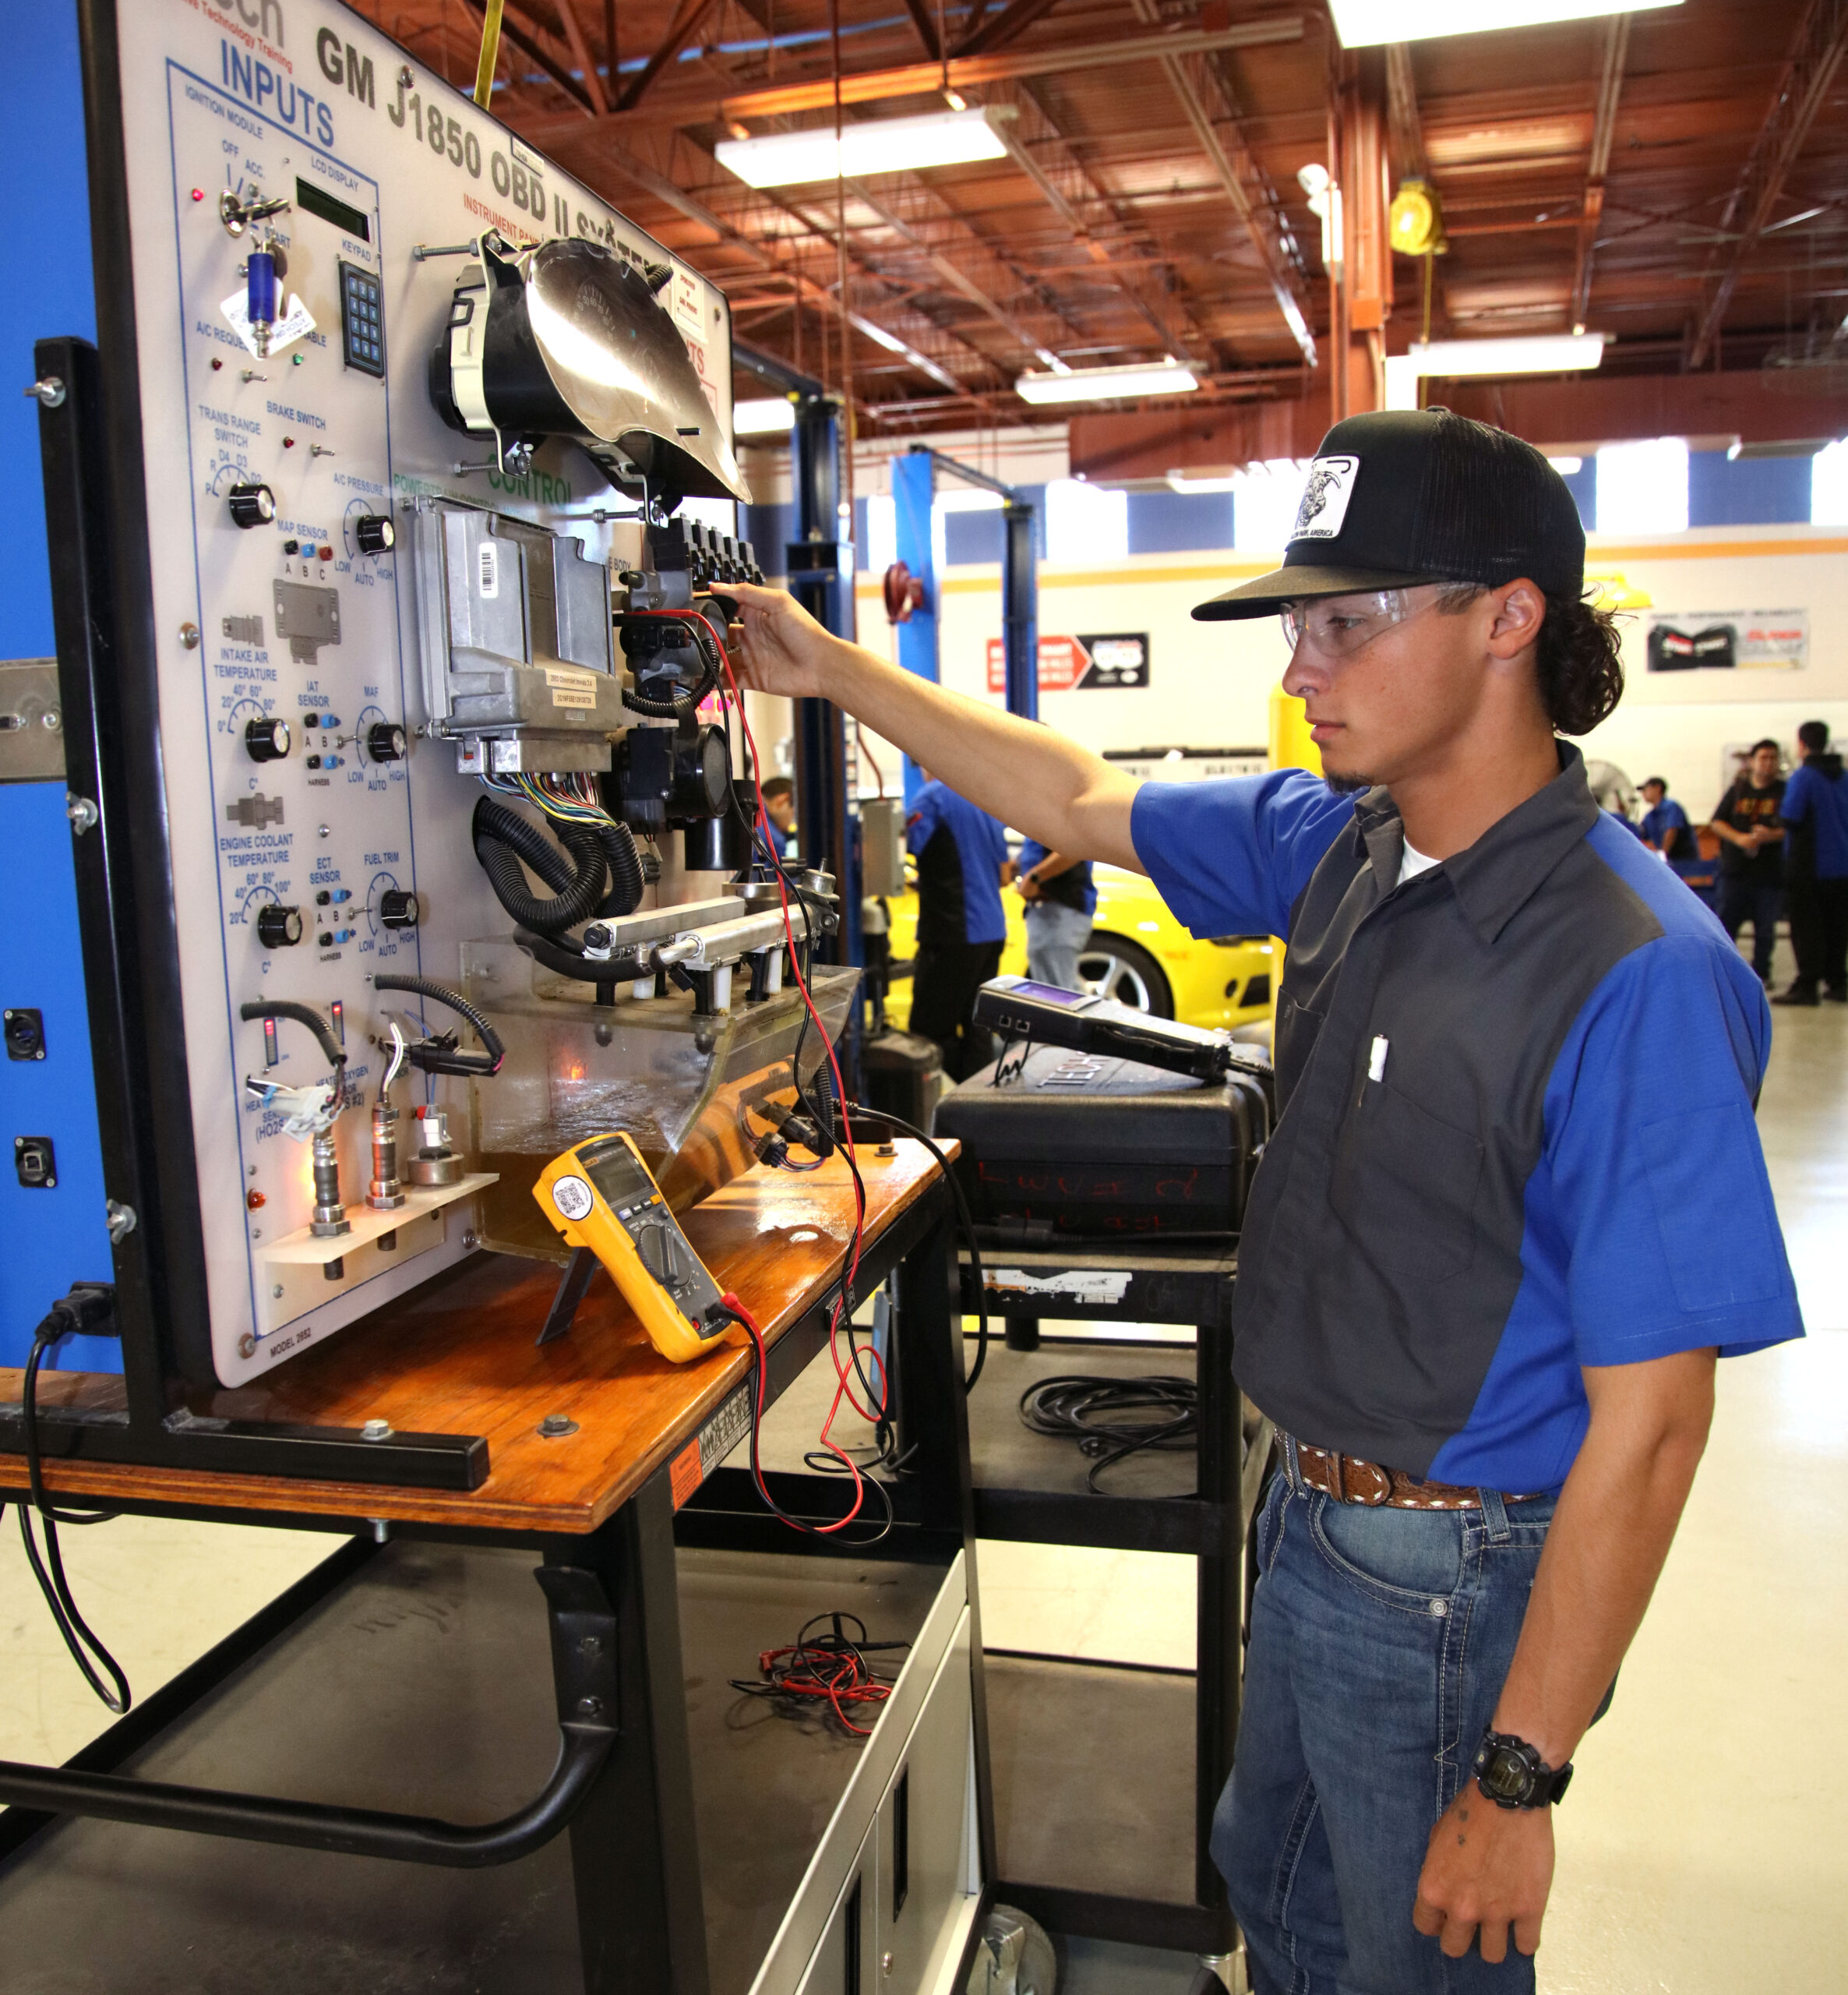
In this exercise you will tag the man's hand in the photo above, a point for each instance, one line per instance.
(777, 647)
(1030, 888)
(1486, 1869)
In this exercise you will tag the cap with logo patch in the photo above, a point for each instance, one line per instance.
(1405, 497)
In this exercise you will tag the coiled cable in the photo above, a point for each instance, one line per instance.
(1112, 1419)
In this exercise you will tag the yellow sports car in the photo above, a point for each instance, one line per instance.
(1139, 955)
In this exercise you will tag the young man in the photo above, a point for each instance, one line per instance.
(1751, 854)
(1664, 827)
(962, 866)
(1815, 811)
(1061, 901)
(1514, 1204)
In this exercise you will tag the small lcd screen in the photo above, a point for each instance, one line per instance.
(1049, 994)
(615, 1173)
(318, 201)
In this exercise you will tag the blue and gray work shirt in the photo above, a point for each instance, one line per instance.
(960, 852)
(1815, 813)
(1515, 1133)
(1073, 889)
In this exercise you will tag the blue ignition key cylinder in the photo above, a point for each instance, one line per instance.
(260, 274)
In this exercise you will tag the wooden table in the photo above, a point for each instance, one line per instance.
(599, 1501)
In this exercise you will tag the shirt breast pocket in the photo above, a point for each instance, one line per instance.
(1405, 1184)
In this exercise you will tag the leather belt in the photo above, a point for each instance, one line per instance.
(1350, 1480)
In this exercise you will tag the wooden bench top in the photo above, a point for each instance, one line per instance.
(458, 1356)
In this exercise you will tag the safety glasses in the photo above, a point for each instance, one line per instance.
(1337, 627)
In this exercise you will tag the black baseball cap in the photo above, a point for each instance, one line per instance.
(1404, 497)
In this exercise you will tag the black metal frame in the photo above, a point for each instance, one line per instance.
(622, 1789)
(1190, 1285)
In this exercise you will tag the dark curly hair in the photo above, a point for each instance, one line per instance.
(1579, 657)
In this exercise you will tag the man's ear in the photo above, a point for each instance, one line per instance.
(1520, 609)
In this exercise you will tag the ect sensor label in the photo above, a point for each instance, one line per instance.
(572, 1196)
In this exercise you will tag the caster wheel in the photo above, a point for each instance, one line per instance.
(1015, 1957)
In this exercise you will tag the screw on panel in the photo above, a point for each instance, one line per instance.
(121, 1220)
(554, 1426)
(590, 1707)
(83, 814)
(470, 1240)
(189, 636)
(47, 393)
(247, 1346)
(276, 1291)
(376, 1430)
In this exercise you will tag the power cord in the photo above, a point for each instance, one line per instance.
(88, 1309)
(1112, 1419)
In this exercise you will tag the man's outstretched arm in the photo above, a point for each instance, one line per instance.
(1070, 800)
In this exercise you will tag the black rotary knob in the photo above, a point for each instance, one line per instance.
(267, 738)
(385, 741)
(252, 505)
(397, 909)
(375, 533)
(279, 927)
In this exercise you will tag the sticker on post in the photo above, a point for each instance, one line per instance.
(294, 323)
(571, 689)
(572, 1196)
(1098, 1286)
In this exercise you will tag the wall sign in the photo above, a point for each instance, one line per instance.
(1725, 640)
(1080, 665)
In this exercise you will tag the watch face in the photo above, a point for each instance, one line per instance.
(1505, 1774)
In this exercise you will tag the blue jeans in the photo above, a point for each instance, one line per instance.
(1057, 936)
(1379, 1642)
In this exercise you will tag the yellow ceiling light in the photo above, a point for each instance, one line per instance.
(1612, 590)
(1416, 220)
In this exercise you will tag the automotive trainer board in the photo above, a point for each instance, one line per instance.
(299, 794)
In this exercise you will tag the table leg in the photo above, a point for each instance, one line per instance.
(634, 1845)
(1023, 1333)
(1220, 1600)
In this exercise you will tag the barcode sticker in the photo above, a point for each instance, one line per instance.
(488, 575)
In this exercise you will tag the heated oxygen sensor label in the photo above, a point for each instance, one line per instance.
(717, 1439)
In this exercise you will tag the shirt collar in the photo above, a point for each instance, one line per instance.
(1494, 878)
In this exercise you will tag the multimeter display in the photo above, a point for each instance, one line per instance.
(600, 1196)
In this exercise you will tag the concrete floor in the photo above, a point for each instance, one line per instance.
(1701, 1851)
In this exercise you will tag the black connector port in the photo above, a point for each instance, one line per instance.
(24, 1032)
(35, 1162)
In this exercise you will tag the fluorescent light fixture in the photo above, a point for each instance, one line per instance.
(1178, 481)
(883, 145)
(879, 336)
(773, 416)
(1567, 467)
(1550, 353)
(1363, 24)
(1104, 384)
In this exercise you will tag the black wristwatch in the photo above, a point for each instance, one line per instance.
(1513, 1775)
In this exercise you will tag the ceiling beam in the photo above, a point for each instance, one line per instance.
(687, 107)
(1011, 22)
(535, 45)
(922, 21)
(1189, 85)
(593, 83)
(687, 17)
(1610, 84)
(1808, 73)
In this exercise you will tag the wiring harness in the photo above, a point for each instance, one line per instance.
(832, 1668)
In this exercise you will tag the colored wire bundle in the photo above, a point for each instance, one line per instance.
(1112, 1419)
(831, 1668)
(567, 800)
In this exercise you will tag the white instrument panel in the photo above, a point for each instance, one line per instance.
(290, 619)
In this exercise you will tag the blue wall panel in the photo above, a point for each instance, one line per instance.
(1180, 522)
(1747, 492)
(49, 1239)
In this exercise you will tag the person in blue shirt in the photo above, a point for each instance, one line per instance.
(1513, 1209)
(779, 809)
(1815, 815)
(962, 866)
(1061, 901)
(1664, 827)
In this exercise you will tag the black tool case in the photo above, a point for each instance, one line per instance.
(1071, 1146)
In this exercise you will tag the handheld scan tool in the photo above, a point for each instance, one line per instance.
(600, 1196)
(1048, 1016)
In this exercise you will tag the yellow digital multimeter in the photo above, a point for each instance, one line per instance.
(600, 1196)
